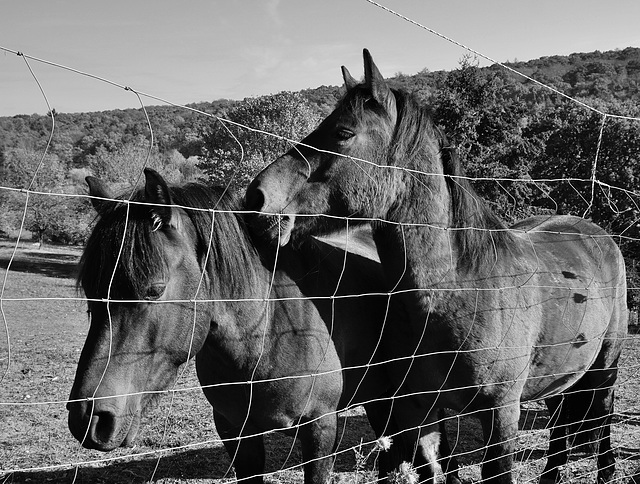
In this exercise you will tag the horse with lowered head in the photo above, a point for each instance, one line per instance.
(496, 315)
(171, 273)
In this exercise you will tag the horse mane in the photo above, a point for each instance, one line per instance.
(478, 232)
(132, 241)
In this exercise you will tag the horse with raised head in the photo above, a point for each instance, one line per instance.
(496, 315)
(171, 273)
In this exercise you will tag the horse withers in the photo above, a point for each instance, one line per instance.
(171, 274)
(496, 315)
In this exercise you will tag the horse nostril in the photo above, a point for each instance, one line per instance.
(254, 198)
(104, 426)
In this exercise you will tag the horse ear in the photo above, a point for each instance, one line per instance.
(349, 81)
(157, 193)
(377, 85)
(99, 189)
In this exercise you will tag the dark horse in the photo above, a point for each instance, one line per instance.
(167, 278)
(495, 315)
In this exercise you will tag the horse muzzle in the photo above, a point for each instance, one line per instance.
(273, 229)
(101, 427)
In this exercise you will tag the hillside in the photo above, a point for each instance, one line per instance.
(602, 75)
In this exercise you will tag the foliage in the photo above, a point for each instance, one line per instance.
(487, 127)
(27, 169)
(233, 152)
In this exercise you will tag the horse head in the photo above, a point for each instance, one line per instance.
(336, 170)
(141, 275)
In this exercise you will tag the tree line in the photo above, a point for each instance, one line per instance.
(529, 149)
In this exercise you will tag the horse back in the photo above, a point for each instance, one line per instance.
(577, 286)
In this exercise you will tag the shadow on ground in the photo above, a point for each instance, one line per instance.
(187, 465)
(196, 465)
(203, 464)
(48, 264)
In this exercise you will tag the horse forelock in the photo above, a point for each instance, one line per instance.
(123, 234)
(133, 240)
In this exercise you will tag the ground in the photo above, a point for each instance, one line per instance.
(43, 324)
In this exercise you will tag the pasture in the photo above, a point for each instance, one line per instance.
(45, 324)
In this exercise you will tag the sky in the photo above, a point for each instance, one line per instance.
(202, 50)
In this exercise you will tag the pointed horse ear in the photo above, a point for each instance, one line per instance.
(349, 81)
(377, 85)
(157, 193)
(99, 189)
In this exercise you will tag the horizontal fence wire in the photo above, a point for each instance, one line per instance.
(59, 457)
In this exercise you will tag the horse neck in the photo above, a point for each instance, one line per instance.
(416, 234)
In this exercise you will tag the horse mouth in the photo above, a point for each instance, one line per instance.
(278, 228)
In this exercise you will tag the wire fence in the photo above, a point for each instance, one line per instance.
(45, 325)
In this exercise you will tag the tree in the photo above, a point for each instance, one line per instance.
(233, 153)
(29, 170)
(485, 123)
(122, 166)
(612, 200)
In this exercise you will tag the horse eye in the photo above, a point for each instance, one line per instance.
(155, 291)
(343, 134)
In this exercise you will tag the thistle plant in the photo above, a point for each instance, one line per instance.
(381, 445)
(406, 474)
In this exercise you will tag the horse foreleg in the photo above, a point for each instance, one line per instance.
(246, 453)
(557, 455)
(500, 429)
(318, 439)
(379, 416)
(419, 444)
(448, 462)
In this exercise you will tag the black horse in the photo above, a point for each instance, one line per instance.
(495, 315)
(172, 274)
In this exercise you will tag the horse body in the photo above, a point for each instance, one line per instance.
(567, 272)
(494, 315)
(166, 283)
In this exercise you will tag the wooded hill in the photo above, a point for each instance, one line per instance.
(606, 76)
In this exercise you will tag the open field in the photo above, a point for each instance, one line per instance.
(44, 324)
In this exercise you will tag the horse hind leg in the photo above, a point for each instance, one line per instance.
(586, 414)
(601, 416)
(590, 406)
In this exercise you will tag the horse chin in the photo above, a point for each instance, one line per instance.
(132, 433)
(285, 229)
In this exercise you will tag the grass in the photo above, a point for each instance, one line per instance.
(46, 324)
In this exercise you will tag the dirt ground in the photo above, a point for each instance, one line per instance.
(43, 324)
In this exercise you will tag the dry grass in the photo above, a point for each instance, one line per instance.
(177, 442)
